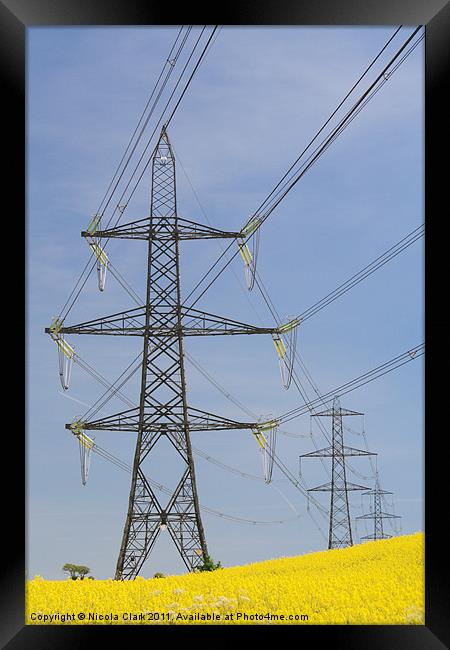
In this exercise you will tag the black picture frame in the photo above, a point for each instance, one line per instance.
(18, 15)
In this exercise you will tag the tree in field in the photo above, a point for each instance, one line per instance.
(76, 570)
(209, 565)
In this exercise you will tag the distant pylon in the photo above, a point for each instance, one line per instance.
(340, 530)
(377, 514)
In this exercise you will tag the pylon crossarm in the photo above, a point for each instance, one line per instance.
(149, 228)
(333, 412)
(377, 515)
(325, 487)
(374, 492)
(203, 421)
(192, 230)
(130, 323)
(327, 452)
(124, 421)
(197, 323)
(355, 486)
(328, 487)
(164, 421)
(352, 451)
(133, 323)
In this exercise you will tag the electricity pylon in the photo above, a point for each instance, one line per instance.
(340, 530)
(377, 513)
(163, 410)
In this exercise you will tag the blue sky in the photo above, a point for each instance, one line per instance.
(256, 101)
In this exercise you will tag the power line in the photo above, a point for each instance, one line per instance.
(393, 251)
(106, 193)
(269, 303)
(66, 311)
(296, 379)
(114, 460)
(364, 273)
(382, 77)
(277, 461)
(371, 64)
(350, 385)
(367, 377)
(170, 64)
(317, 153)
(303, 152)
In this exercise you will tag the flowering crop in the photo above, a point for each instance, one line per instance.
(379, 582)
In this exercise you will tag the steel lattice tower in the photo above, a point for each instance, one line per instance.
(163, 410)
(340, 530)
(377, 513)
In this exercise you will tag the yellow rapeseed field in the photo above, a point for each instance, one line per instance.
(378, 582)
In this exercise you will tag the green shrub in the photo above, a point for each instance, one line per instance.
(209, 564)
